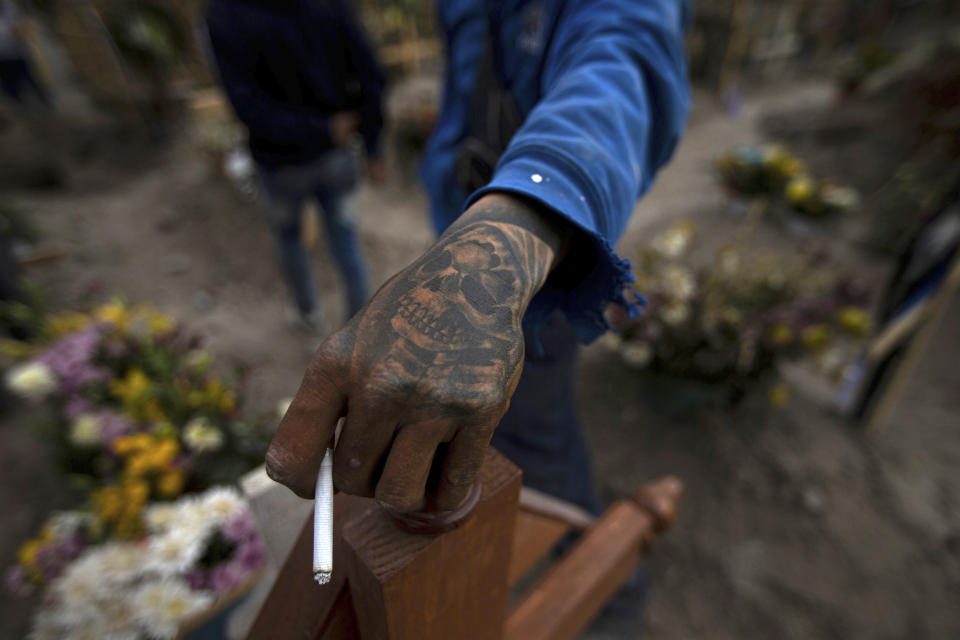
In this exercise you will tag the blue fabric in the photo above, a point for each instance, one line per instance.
(603, 88)
(329, 180)
(541, 430)
(287, 66)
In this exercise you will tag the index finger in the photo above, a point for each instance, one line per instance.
(305, 432)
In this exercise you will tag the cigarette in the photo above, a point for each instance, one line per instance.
(323, 522)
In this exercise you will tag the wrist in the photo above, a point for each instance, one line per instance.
(526, 214)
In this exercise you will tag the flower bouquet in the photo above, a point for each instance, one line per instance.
(138, 420)
(728, 322)
(135, 412)
(775, 173)
(197, 550)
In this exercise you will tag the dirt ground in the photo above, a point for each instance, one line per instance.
(794, 525)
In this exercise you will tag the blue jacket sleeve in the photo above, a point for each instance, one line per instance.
(614, 102)
(265, 116)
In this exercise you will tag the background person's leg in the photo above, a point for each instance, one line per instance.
(338, 179)
(283, 208)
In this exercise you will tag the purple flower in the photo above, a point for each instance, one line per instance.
(17, 582)
(241, 527)
(113, 425)
(77, 405)
(70, 358)
(227, 576)
(197, 579)
(251, 555)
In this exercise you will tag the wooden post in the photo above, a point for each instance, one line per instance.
(434, 587)
(575, 589)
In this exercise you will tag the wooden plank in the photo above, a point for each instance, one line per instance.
(533, 537)
(341, 624)
(297, 607)
(436, 587)
(561, 605)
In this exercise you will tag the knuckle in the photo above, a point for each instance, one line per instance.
(279, 470)
(398, 500)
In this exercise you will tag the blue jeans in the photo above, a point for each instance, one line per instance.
(329, 180)
(541, 434)
(541, 431)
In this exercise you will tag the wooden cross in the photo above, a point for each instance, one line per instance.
(389, 584)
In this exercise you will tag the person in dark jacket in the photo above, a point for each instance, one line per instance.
(303, 78)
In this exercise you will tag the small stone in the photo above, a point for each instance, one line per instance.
(175, 263)
(202, 301)
(813, 500)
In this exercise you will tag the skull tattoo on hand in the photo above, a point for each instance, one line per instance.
(430, 363)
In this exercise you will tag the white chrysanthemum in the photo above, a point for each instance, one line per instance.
(45, 626)
(610, 341)
(79, 586)
(192, 518)
(161, 516)
(32, 380)
(679, 282)
(636, 354)
(162, 605)
(175, 552)
(201, 436)
(85, 431)
(675, 314)
(674, 241)
(222, 503)
(198, 359)
(117, 563)
(63, 524)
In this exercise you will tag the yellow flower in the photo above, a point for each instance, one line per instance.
(779, 395)
(165, 452)
(151, 411)
(27, 554)
(136, 492)
(66, 322)
(214, 396)
(782, 161)
(138, 465)
(816, 337)
(129, 444)
(781, 334)
(171, 483)
(154, 455)
(132, 387)
(164, 429)
(854, 321)
(161, 324)
(800, 190)
(15, 350)
(114, 313)
(107, 503)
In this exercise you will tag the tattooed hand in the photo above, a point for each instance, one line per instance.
(432, 360)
